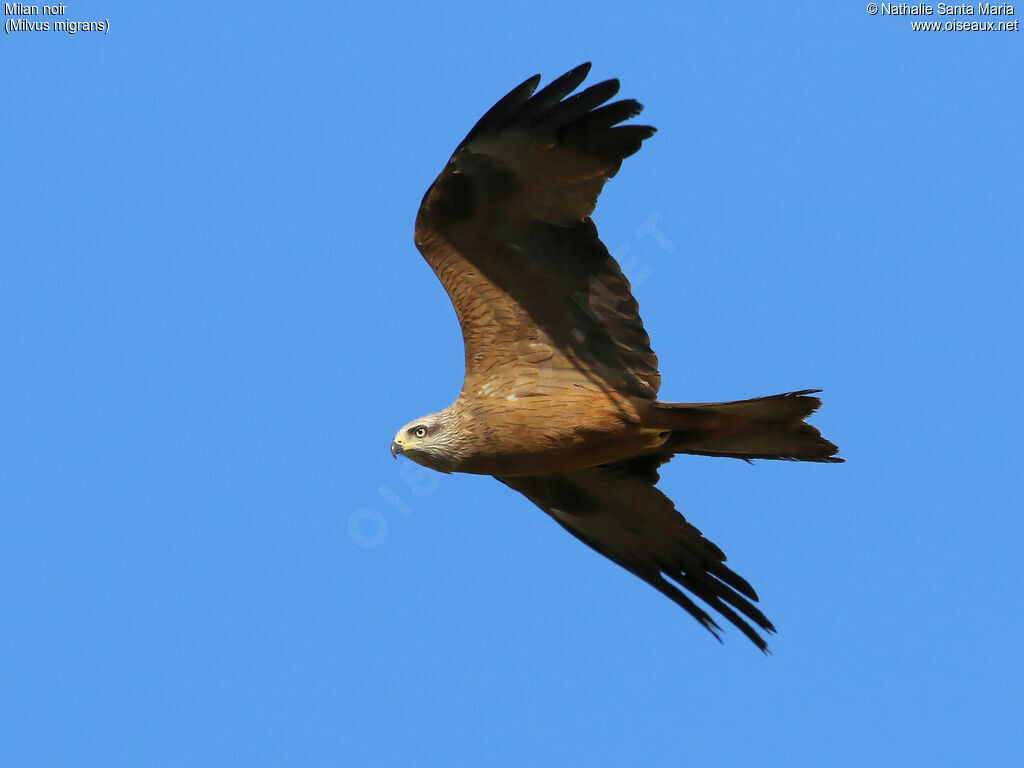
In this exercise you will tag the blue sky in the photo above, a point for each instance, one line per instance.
(213, 319)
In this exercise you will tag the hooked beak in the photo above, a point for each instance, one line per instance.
(396, 449)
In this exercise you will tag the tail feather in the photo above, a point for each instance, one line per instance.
(762, 428)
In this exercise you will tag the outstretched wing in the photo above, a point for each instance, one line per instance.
(507, 229)
(616, 510)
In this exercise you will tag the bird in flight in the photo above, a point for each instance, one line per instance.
(559, 400)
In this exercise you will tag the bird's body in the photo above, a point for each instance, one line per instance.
(531, 434)
(560, 400)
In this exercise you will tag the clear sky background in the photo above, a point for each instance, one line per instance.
(213, 319)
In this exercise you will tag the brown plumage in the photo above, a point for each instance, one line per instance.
(560, 394)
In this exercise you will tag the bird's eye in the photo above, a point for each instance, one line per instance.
(420, 431)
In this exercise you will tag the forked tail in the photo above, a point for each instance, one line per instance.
(763, 428)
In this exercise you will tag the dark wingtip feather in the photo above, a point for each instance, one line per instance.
(578, 105)
(544, 100)
(506, 109)
(578, 118)
(607, 116)
(720, 598)
(726, 574)
(580, 70)
(677, 596)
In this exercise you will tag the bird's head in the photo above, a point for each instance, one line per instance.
(429, 440)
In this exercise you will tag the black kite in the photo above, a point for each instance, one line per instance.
(560, 394)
